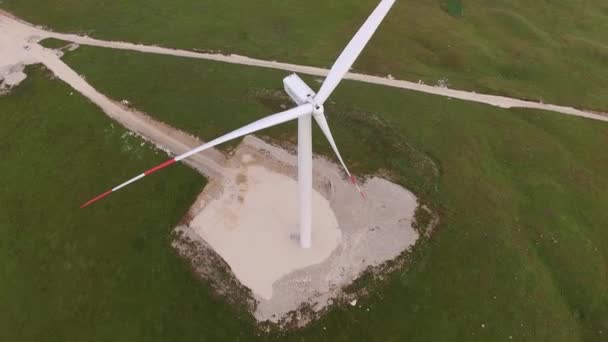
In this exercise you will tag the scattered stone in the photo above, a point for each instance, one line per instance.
(72, 47)
(443, 83)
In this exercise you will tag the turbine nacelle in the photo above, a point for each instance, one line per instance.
(301, 93)
(298, 90)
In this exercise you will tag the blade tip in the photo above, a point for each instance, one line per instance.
(96, 199)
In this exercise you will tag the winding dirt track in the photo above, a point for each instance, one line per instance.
(498, 101)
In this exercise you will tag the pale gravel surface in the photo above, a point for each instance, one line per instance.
(371, 230)
(499, 101)
(253, 225)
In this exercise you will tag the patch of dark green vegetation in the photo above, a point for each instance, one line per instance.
(520, 247)
(454, 8)
(518, 48)
(53, 43)
(423, 220)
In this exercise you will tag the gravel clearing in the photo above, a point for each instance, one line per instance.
(282, 276)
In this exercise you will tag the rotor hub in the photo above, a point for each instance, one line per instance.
(317, 109)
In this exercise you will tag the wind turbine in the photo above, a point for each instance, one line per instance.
(309, 105)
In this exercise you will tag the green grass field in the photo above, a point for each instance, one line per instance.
(555, 51)
(102, 274)
(520, 251)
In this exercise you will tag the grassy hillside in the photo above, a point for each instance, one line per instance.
(554, 51)
(521, 248)
(104, 273)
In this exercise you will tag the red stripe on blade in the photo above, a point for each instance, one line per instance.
(96, 199)
(161, 166)
(354, 181)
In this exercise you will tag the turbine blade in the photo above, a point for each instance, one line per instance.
(322, 122)
(352, 51)
(266, 122)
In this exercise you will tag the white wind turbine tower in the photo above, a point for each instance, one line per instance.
(309, 105)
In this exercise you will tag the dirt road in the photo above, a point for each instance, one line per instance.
(498, 101)
(174, 141)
